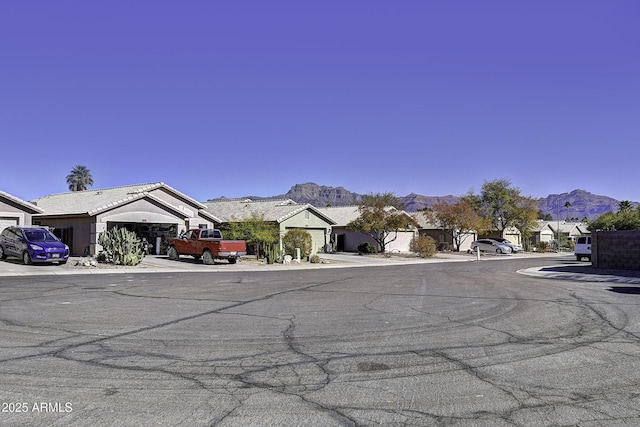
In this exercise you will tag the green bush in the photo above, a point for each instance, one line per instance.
(424, 246)
(120, 247)
(367, 248)
(297, 239)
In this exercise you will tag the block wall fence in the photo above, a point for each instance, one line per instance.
(618, 250)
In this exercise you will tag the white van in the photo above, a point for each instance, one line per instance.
(583, 248)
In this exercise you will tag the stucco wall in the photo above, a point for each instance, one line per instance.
(350, 239)
(183, 205)
(81, 230)
(140, 211)
(309, 221)
(619, 250)
(317, 237)
(13, 214)
(195, 220)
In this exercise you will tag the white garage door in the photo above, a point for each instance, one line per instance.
(402, 243)
(7, 222)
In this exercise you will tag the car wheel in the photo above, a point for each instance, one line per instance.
(232, 260)
(499, 251)
(2, 254)
(207, 258)
(173, 254)
(26, 258)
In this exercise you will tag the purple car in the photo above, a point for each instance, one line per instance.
(32, 245)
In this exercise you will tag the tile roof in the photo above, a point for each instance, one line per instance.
(342, 215)
(94, 201)
(424, 222)
(232, 210)
(566, 227)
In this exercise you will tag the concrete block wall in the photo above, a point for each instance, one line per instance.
(619, 250)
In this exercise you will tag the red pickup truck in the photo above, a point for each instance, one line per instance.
(206, 244)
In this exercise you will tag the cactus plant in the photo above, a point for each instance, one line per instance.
(121, 246)
(272, 253)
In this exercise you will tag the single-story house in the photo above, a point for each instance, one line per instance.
(345, 240)
(287, 214)
(510, 233)
(154, 211)
(15, 211)
(568, 230)
(543, 233)
(444, 238)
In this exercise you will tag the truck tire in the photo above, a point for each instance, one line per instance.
(207, 258)
(173, 254)
(232, 260)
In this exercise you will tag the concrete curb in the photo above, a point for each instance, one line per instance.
(547, 273)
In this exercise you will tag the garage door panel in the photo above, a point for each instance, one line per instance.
(7, 222)
(402, 243)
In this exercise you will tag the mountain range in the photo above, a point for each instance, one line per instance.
(581, 203)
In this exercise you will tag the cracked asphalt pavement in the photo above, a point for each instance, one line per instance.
(461, 344)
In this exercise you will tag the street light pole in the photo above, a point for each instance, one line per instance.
(558, 219)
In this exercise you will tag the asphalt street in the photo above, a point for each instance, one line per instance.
(500, 341)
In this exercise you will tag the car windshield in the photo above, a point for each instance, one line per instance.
(39, 236)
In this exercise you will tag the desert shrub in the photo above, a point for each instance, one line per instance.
(542, 246)
(424, 246)
(367, 248)
(314, 259)
(297, 239)
(445, 247)
(120, 247)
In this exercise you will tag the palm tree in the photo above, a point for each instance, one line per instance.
(567, 205)
(625, 206)
(79, 178)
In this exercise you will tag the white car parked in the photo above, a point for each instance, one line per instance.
(488, 245)
(514, 246)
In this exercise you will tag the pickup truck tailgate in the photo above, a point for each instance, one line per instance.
(231, 248)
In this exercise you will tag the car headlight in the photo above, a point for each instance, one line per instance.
(36, 247)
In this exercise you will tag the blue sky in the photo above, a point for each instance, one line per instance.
(251, 97)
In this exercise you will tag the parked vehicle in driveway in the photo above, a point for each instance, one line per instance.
(514, 246)
(206, 244)
(32, 244)
(583, 248)
(488, 245)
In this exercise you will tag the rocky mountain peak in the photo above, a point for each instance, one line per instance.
(576, 204)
